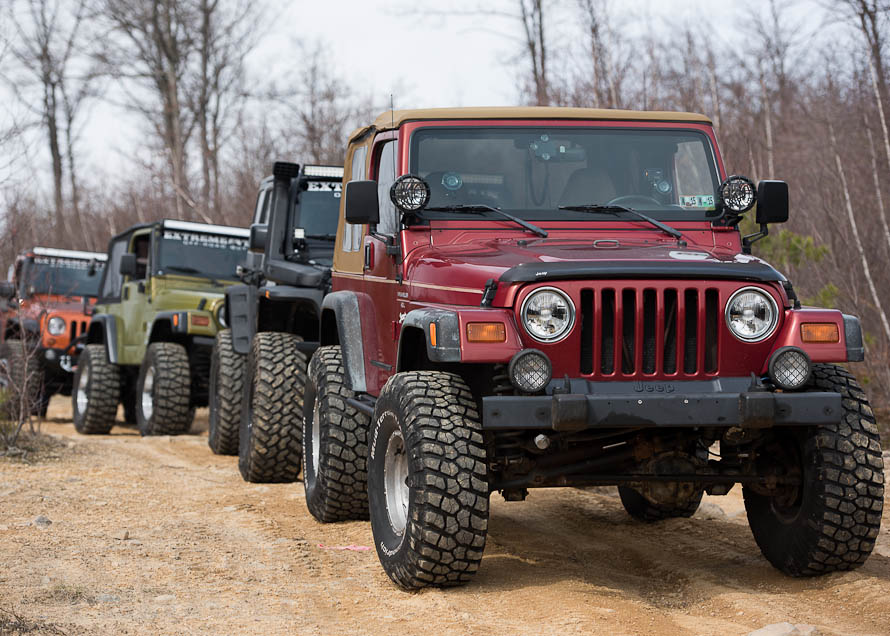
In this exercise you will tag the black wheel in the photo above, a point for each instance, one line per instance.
(335, 447)
(96, 391)
(829, 522)
(641, 509)
(269, 442)
(226, 388)
(427, 480)
(25, 375)
(163, 391)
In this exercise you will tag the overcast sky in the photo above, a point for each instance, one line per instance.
(382, 47)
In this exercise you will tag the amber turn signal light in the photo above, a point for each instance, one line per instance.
(819, 332)
(432, 334)
(486, 332)
(200, 321)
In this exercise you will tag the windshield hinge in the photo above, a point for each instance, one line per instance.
(488, 292)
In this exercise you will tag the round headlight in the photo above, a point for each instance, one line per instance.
(790, 368)
(55, 326)
(548, 314)
(751, 314)
(221, 317)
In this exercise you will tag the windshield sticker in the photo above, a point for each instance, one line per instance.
(324, 186)
(697, 201)
(194, 239)
(67, 263)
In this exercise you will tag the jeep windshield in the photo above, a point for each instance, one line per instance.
(62, 276)
(200, 254)
(319, 209)
(531, 172)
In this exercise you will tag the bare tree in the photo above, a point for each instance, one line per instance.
(225, 36)
(47, 43)
(151, 43)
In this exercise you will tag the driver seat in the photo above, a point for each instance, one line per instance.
(588, 186)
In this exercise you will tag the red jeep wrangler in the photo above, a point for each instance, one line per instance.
(539, 297)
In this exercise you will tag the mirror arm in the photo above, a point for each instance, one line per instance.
(748, 241)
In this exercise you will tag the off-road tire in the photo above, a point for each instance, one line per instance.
(838, 515)
(25, 374)
(446, 519)
(102, 390)
(4, 369)
(337, 488)
(641, 509)
(226, 389)
(171, 412)
(270, 438)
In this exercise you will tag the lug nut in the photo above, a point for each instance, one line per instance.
(542, 442)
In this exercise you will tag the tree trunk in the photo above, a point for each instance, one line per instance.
(857, 239)
(877, 181)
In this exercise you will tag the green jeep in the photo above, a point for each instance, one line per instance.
(161, 303)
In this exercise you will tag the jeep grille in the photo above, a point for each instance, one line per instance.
(636, 331)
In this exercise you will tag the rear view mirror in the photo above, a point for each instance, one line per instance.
(127, 265)
(772, 202)
(362, 206)
(259, 236)
(7, 289)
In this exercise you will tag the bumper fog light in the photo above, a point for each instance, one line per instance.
(530, 371)
(790, 368)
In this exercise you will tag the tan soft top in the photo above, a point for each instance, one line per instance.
(394, 118)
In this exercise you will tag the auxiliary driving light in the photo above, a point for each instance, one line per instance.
(790, 368)
(738, 194)
(410, 193)
(530, 370)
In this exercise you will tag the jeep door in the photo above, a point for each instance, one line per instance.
(381, 269)
(135, 295)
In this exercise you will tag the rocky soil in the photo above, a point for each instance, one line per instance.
(121, 535)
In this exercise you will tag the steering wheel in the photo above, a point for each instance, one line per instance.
(628, 200)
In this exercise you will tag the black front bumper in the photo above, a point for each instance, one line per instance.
(723, 407)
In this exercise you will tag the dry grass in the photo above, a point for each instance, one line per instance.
(65, 593)
(13, 623)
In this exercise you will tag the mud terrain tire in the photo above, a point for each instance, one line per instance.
(836, 517)
(335, 449)
(25, 374)
(427, 480)
(95, 391)
(226, 388)
(269, 444)
(163, 391)
(641, 509)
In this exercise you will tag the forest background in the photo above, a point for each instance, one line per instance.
(797, 91)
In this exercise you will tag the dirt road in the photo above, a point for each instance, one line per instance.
(207, 553)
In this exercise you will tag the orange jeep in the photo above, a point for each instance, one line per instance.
(45, 310)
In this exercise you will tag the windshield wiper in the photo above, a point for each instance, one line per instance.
(488, 208)
(615, 209)
(185, 269)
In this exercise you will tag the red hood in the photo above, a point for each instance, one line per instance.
(471, 264)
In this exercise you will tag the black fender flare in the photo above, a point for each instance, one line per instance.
(241, 314)
(103, 330)
(342, 308)
(22, 326)
(178, 322)
(447, 347)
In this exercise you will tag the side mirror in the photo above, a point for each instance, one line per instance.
(7, 290)
(127, 266)
(259, 236)
(772, 202)
(362, 206)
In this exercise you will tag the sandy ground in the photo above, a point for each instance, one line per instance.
(208, 553)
